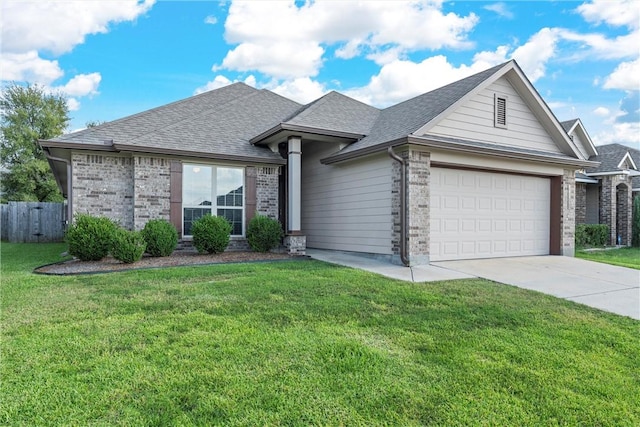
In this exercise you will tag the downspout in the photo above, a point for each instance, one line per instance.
(69, 177)
(403, 207)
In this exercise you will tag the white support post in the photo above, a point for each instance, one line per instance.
(294, 169)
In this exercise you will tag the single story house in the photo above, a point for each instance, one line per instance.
(476, 169)
(605, 191)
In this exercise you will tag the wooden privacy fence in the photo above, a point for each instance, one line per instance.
(33, 222)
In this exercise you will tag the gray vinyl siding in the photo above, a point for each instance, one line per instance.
(593, 205)
(346, 206)
(474, 120)
(580, 144)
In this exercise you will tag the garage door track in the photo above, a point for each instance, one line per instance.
(603, 286)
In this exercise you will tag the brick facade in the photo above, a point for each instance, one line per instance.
(417, 203)
(103, 186)
(134, 190)
(568, 215)
(616, 208)
(267, 191)
(151, 189)
(581, 203)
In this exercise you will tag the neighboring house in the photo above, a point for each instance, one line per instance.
(478, 168)
(604, 193)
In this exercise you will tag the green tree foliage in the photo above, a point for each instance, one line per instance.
(29, 113)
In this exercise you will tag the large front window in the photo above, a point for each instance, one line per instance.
(213, 190)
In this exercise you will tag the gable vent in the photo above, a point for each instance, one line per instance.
(500, 111)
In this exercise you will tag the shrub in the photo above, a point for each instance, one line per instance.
(211, 234)
(263, 233)
(160, 236)
(635, 222)
(89, 238)
(127, 246)
(591, 235)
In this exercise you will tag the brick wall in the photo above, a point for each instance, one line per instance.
(568, 214)
(267, 191)
(581, 203)
(103, 186)
(151, 190)
(417, 212)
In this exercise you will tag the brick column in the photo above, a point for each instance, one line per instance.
(568, 214)
(581, 203)
(608, 207)
(417, 212)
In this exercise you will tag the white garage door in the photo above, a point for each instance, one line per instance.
(488, 215)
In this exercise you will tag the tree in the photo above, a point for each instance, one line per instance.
(29, 113)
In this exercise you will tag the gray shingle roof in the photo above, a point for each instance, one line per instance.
(568, 124)
(220, 121)
(403, 119)
(610, 157)
(225, 131)
(338, 112)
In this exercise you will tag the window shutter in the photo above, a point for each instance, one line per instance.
(250, 203)
(500, 114)
(175, 209)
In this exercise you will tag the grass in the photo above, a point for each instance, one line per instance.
(624, 257)
(302, 343)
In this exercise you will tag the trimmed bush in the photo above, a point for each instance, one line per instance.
(161, 237)
(89, 237)
(591, 235)
(211, 234)
(263, 233)
(127, 246)
(635, 222)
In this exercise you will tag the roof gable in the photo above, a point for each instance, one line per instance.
(578, 133)
(336, 112)
(612, 158)
(405, 118)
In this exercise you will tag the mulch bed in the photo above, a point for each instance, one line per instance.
(178, 258)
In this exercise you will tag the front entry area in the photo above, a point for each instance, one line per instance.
(478, 214)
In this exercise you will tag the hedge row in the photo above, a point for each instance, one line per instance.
(93, 238)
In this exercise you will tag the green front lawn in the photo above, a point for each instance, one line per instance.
(302, 343)
(625, 257)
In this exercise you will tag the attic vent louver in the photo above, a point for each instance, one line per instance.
(500, 111)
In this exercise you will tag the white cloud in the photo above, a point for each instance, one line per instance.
(602, 112)
(302, 90)
(626, 76)
(29, 67)
(615, 13)
(402, 79)
(597, 46)
(282, 60)
(501, 9)
(58, 26)
(73, 104)
(82, 85)
(620, 133)
(535, 53)
(221, 81)
(286, 41)
(212, 20)
(218, 82)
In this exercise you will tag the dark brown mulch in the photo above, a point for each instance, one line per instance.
(179, 258)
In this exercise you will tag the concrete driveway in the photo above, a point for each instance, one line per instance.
(603, 286)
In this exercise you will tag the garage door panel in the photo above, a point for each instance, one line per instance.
(483, 214)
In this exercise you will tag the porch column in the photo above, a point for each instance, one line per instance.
(294, 169)
(295, 241)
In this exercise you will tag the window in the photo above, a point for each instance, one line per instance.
(500, 111)
(213, 190)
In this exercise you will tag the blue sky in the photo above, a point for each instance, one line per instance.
(115, 58)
